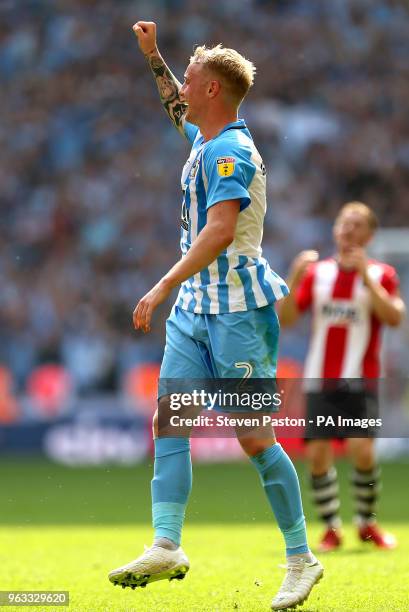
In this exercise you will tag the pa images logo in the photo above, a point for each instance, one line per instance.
(225, 165)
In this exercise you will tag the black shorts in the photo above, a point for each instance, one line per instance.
(341, 414)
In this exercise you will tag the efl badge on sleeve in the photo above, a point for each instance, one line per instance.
(225, 165)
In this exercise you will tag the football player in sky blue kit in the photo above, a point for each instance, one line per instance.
(223, 324)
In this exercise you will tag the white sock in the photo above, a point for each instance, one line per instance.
(165, 543)
(305, 557)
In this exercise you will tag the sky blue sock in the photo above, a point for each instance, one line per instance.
(171, 485)
(280, 482)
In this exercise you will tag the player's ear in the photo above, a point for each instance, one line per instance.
(213, 88)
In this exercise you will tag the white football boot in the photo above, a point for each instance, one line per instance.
(156, 563)
(297, 584)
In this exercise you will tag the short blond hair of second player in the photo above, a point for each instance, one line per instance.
(235, 71)
(364, 210)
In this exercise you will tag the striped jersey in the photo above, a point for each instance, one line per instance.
(225, 168)
(345, 341)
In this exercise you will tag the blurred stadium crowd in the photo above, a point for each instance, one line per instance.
(89, 172)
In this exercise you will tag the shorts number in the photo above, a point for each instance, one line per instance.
(243, 365)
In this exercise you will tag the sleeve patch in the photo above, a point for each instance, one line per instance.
(225, 166)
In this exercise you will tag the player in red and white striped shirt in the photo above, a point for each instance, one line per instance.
(350, 297)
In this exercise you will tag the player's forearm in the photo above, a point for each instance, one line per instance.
(168, 87)
(287, 308)
(287, 311)
(388, 309)
(205, 249)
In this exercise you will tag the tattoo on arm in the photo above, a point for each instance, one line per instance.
(169, 88)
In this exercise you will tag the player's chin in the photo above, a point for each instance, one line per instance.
(344, 245)
(349, 246)
(190, 117)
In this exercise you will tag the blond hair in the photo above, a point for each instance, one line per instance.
(362, 208)
(235, 71)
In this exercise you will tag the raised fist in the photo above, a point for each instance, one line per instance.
(145, 32)
(301, 263)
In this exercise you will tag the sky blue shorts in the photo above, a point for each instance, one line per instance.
(232, 345)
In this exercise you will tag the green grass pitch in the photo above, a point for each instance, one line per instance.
(64, 529)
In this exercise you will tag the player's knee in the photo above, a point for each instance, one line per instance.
(316, 449)
(319, 456)
(155, 424)
(363, 453)
(164, 411)
(254, 446)
(163, 425)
